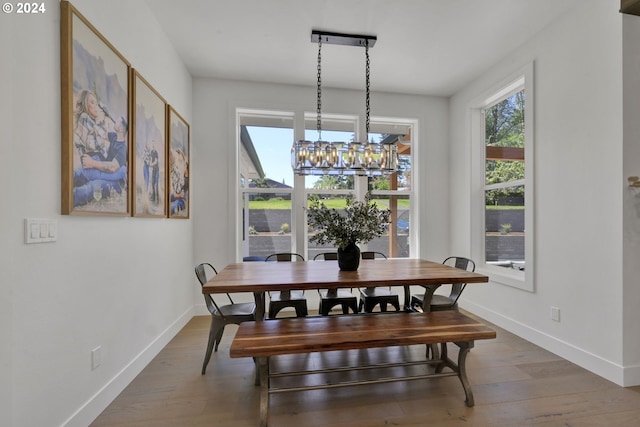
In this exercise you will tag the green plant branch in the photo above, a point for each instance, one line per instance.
(359, 222)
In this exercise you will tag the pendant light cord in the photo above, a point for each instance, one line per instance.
(319, 104)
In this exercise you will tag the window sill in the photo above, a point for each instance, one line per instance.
(506, 276)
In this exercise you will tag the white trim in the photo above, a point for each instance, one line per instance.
(299, 191)
(508, 90)
(631, 376)
(507, 184)
(266, 190)
(519, 79)
(253, 117)
(391, 193)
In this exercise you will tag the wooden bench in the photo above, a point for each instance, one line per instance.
(263, 339)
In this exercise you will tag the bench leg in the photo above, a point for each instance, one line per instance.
(462, 370)
(263, 365)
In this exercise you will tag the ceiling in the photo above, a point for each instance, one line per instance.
(429, 47)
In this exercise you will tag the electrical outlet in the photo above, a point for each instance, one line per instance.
(555, 314)
(96, 357)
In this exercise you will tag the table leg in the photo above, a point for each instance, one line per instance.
(428, 294)
(462, 370)
(260, 299)
(429, 290)
(407, 298)
(263, 363)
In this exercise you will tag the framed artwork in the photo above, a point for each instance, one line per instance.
(149, 150)
(178, 165)
(95, 81)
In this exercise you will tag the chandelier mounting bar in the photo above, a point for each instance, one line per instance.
(343, 39)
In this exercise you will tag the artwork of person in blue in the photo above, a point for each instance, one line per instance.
(146, 160)
(179, 183)
(101, 143)
(154, 164)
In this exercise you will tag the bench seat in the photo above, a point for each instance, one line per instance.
(263, 339)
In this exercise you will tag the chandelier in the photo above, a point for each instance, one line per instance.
(343, 158)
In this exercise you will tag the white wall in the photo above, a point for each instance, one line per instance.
(579, 185)
(631, 197)
(6, 252)
(122, 283)
(215, 167)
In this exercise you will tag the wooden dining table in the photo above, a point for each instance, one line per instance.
(262, 277)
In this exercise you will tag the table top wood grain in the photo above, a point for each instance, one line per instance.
(282, 276)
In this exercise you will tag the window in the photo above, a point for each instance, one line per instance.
(266, 184)
(269, 193)
(503, 142)
(394, 191)
(504, 182)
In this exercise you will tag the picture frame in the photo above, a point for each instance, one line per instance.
(149, 149)
(95, 117)
(178, 170)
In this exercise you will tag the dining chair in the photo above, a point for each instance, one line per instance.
(283, 299)
(443, 302)
(372, 296)
(330, 298)
(221, 315)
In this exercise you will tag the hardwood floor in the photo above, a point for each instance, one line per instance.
(515, 383)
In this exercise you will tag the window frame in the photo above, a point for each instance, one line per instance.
(299, 192)
(515, 82)
(257, 118)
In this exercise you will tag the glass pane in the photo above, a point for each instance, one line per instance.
(498, 171)
(266, 224)
(404, 167)
(396, 242)
(504, 139)
(266, 157)
(504, 225)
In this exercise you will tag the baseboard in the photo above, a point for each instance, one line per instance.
(99, 401)
(611, 371)
(631, 376)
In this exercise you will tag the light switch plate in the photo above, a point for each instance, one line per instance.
(40, 230)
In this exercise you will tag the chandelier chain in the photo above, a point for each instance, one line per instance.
(319, 104)
(368, 76)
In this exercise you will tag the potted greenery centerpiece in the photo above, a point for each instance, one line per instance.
(359, 222)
